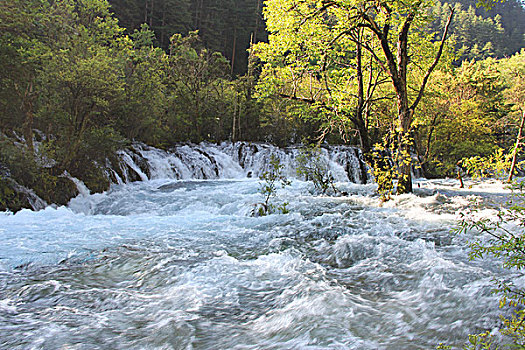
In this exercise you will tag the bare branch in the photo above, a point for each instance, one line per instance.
(308, 101)
(436, 60)
(322, 9)
(372, 87)
(374, 55)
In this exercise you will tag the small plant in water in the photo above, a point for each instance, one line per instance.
(312, 167)
(271, 178)
(384, 173)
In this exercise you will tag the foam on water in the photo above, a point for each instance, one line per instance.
(234, 160)
(183, 265)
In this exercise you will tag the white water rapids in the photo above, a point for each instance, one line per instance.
(181, 264)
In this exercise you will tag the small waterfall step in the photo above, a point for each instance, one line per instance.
(232, 160)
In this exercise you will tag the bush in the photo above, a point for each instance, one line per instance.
(32, 172)
(311, 166)
(496, 165)
(268, 189)
(508, 246)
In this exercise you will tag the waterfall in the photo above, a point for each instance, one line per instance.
(232, 160)
(81, 187)
(34, 201)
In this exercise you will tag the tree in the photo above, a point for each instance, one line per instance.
(312, 166)
(61, 77)
(473, 36)
(330, 75)
(142, 112)
(511, 13)
(196, 85)
(402, 49)
(164, 17)
(380, 22)
(229, 27)
(270, 178)
(462, 116)
(81, 84)
(24, 46)
(513, 70)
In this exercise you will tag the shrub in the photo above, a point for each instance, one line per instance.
(311, 166)
(508, 246)
(271, 178)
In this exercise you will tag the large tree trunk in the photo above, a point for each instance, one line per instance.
(404, 159)
(396, 65)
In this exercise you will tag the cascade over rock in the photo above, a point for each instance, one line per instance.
(229, 161)
(21, 196)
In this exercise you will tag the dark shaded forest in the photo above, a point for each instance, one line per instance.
(224, 26)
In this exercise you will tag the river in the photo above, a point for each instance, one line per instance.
(182, 264)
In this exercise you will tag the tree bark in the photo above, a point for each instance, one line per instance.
(256, 27)
(515, 152)
(358, 119)
(233, 50)
(28, 122)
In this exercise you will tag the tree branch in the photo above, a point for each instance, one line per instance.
(436, 60)
(295, 98)
(402, 45)
(326, 6)
(372, 52)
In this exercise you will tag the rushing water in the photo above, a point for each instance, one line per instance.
(181, 264)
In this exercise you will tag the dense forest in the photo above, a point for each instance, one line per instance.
(227, 27)
(82, 79)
